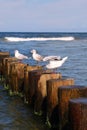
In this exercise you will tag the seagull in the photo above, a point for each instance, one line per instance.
(56, 63)
(19, 55)
(37, 57)
(48, 58)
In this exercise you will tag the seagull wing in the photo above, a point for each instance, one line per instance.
(21, 56)
(48, 58)
(39, 57)
(56, 63)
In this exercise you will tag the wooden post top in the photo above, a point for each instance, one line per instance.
(81, 100)
(62, 79)
(73, 87)
(4, 53)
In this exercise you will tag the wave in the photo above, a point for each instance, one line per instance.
(18, 39)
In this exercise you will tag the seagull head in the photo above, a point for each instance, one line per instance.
(33, 51)
(16, 51)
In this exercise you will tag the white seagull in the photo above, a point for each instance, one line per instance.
(37, 57)
(54, 64)
(19, 55)
(48, 58)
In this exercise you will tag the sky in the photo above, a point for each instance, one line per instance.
(43, 15)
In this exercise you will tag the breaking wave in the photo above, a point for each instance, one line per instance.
(18, 39)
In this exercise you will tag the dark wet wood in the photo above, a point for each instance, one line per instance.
(41, 90)
(52, 94)
(78, 113)
(6, 64)
(17, 77)
(2, 56)
(32, 84)
(6, 67)
(27, 83)
(65, 94)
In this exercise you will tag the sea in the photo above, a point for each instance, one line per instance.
(72, 45)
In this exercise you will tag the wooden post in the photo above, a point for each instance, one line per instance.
(2, 56)
(78, 113)
(32, 85)
(41, 91)
(17, 77)
(6, 64)
(65, 94)
(27, 69)
(6, 68)
(52, 97)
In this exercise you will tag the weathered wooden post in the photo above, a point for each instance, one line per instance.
(17, 77)
(6, 68)
(41, 90)
(64, 95)
(2, 56)
(6, 64)
(12, 75)
(78, 113)
(52, 97)
(27, 69)
(32, 85)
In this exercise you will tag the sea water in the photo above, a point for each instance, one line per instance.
(73, 45)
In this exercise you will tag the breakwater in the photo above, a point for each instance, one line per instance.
(48, 93)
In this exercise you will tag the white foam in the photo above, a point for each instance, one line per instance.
(17, 39)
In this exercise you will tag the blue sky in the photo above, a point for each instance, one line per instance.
(43, 15)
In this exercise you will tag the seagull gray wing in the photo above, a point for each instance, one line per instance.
(48, 58)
